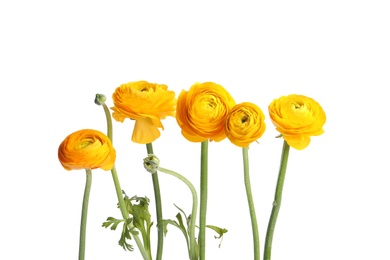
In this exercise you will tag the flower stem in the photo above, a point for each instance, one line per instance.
(122, 205)
(125, 213)
(157, 197)
(193, 251)
(255, 230)
(84, 213)
(109, 121)
(203, 199)
(277, 201)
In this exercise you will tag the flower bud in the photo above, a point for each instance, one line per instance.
(151, 163)
(100, 99)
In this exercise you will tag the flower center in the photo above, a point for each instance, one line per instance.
(244, 119)
(84, 144)
(88, 143)
(300, 108)
(297, 105)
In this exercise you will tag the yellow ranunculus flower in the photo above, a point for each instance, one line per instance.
(245, 124)
(87, 149)
(201, 112)
(146, 103)
(297, 118)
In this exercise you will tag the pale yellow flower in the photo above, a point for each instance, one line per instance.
(245, 124)
(86, 149)
(297, 117)
(147, 103)
(201, 112)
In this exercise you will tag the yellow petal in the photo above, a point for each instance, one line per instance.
(144, 131)
(297, 142)
(142, 100)
(297, 117)
(201, 112)
(245, 124)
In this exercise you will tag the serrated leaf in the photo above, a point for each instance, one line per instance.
(113, 222)
(125, 235)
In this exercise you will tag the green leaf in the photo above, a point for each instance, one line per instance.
(179, 224)
(113, 222)
(165, 222)
(220, 232)
(124, 236)
(182, 211)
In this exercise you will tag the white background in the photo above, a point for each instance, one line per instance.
(56, 55)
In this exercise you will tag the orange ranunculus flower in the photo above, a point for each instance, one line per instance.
(146, 103)
(201, 112)
(297, 118)
(245, 124)
(87, 149)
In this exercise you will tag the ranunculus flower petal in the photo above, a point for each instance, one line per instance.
(245, 124)
(297, 117)
(201, 112)
(86, 149)
(144, 131)
(147, 103)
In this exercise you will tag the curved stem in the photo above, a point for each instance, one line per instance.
(109, 121)
(125, 213)
(203, 199)
(277, 201)
(191, 232)
(84, 213)
(157, 197)
(255, 230)
(122, 205)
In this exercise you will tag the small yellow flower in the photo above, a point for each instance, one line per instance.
(201, 112)
(87, 149)
(297, 118)
(245, 124)
(146, 103)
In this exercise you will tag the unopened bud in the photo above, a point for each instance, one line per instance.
(151, 163)
(100, 99)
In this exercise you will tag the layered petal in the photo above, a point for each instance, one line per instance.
(245, 124)
(86, 149)
(145, 102)
(145, 131)
(201, 112)
(297, 117)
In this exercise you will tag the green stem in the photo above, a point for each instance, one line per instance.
(255, 230)
(157, 197)
(125, 213)
(109, 121)
(84, 213)
(277, 201)
(203, 199)
(193, 251)
(122, 205)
